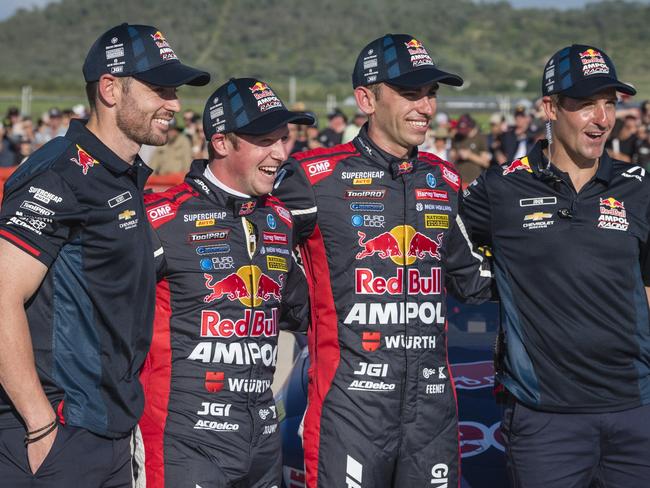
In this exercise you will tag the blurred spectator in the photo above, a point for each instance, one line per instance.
(494, 139)
(53, 127)
(12, 117)
(7, 152)
(24, 149)
(441, 143)
(306, 137)
(645, 112)
(79, 111)
(469, 149)
(333, 133)
(175, 156)
(353, 129)
(642, 156)
(623, 145)
(519, 139)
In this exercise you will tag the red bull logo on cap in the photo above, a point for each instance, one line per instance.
(419, 55)
(516, 165)
(402, 244)
(259, 86)
(158, 36)
(248, 284)
(593, 62)
(414, 44)
(83, 159)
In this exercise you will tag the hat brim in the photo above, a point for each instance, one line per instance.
(587, 88)
(174, 74)
(424, 76)
(274, 120)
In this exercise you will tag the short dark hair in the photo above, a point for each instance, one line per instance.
(230, 136)
(375, 88)
(92, 90)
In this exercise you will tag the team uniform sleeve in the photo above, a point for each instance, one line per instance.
(294, 311)
(158, 254)
(296, 193)
(468, 274)
(39, 215)
(475, 212)
(644, 254)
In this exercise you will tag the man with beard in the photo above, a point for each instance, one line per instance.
(226, 282)
(569, 229)
(382, 243)
(77, 273)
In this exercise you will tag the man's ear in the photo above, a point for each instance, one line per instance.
(366, 100)
(109, 90)
(222, 147)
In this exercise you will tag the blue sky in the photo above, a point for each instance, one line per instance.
(8, 7)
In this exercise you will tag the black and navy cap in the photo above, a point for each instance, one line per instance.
(247, 106)
(140, 51)
(400, 60)
(579, 71)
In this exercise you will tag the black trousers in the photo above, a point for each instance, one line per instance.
(581, 450)
(78, 458)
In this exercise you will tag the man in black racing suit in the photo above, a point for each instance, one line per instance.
(382, 243)
(226, 267)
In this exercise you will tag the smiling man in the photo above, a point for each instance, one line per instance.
(227, 280)
(77, 274)
(378, 226)
(569, 229)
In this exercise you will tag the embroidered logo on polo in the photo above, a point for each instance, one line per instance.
(538, 220)
(83, 159)
(612, 214)
(126, 216)
(535, 201)
(516, 165)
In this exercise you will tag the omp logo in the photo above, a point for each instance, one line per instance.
(439, 476)
(353, 473)
(318, 167)
(159, 212)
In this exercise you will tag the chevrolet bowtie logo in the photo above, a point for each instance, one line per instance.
(126, 215)
(538, 216)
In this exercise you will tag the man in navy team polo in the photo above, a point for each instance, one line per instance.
(77, 273)
(569, 230)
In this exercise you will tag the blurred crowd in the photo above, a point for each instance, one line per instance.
(471, 145)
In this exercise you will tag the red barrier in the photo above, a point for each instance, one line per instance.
(155, 183)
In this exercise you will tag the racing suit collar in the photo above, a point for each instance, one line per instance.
(88, 142)
(237, 206)
(538, 161)
(397, 166)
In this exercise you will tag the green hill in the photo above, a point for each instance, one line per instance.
(491, 45)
